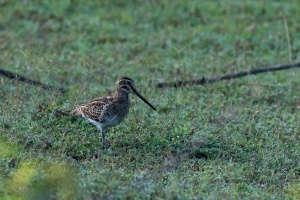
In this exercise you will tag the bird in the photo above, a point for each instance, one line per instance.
(105, 112)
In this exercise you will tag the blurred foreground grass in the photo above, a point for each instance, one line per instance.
(231, 140)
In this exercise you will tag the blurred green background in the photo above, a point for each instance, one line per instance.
(235, 139)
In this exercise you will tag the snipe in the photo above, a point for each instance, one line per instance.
(105, 112)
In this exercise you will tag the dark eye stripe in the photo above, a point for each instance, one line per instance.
(125, 82)
(122, 82)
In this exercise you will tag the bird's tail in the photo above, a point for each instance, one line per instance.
(59, 113)
(76, 111)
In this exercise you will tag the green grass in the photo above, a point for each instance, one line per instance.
(237, 139)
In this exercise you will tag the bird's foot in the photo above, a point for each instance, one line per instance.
(106, 145)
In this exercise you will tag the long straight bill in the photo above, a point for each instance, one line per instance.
(141, 97)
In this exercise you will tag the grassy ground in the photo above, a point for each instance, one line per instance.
(235, 139)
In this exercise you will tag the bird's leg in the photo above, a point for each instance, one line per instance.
(104, 139)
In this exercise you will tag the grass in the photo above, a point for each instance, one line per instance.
(234, 139)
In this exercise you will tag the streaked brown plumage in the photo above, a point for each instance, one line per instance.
(105, 112)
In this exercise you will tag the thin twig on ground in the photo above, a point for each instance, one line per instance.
(229, 76)
(24, 79)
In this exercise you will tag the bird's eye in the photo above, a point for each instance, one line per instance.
(128, 82)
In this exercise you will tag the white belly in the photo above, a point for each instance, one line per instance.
(111, 122)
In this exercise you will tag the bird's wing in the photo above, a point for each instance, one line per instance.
(95, 109)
